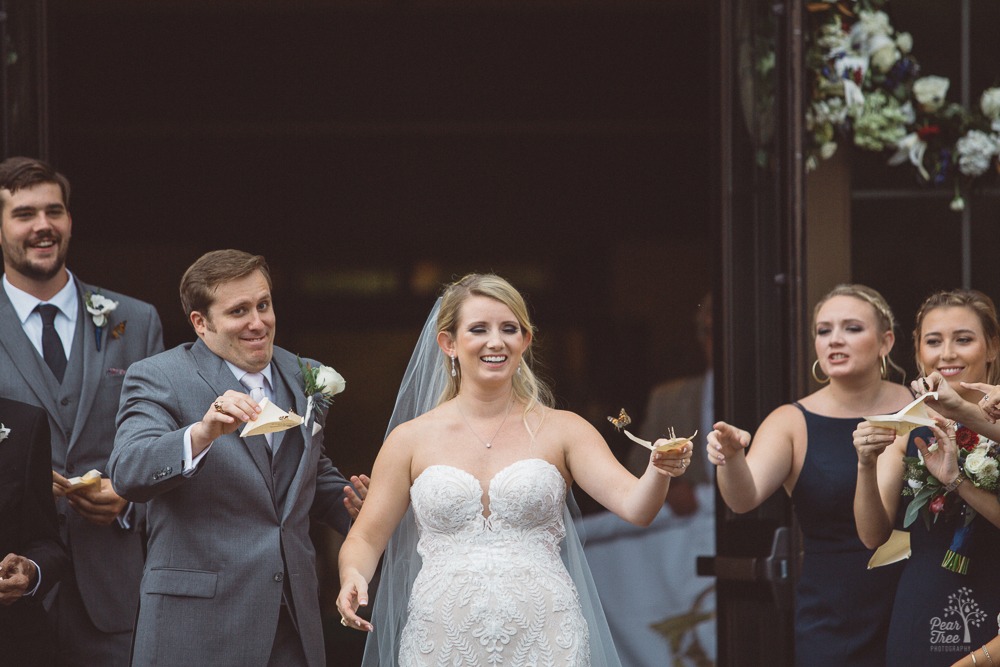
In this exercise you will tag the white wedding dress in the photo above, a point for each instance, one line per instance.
(493, 589)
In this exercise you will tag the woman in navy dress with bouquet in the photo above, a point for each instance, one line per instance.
(949, 593)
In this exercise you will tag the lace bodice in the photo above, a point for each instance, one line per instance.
(493, 589)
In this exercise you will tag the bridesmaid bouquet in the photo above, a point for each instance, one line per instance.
(979, 461)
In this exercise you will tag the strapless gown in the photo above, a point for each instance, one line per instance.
(493, 590)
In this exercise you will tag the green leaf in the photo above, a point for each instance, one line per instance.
(920, 498)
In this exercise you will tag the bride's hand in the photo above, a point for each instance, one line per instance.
(353, 594)
(673, 462)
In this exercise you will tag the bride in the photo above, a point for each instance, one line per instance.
(499, 572)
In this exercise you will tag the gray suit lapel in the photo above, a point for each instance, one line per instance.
(216, 373)
(93, 361)
(24, 356)
(288, 371)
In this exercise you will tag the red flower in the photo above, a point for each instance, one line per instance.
(966, 438)
(936, 504)
(928, 131)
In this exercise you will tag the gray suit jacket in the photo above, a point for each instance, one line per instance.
(106, 560)
(226, 543)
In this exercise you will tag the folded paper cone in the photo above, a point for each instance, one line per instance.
(271, 420)
(895, 549)
(675, 443)
(912, 416)
(86, 479)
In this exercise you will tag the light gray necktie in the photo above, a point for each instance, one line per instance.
(257, 384)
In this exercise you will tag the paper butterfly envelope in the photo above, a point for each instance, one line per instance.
(86, 479)
(673, 442)
(912, 416)
(271, 420)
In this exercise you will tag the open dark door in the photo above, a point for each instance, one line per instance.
(761, 350)
(23, 78)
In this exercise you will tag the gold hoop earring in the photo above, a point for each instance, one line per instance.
(885, 368)
(816, 375)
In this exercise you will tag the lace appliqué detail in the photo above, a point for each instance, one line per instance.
(492, 590)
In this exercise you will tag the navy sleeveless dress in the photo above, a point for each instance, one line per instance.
(842, 608)
(927, 629)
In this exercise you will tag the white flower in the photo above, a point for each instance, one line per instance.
(975, 152)
(930, 92)
(874, 23)
(884, 57)
(329, 382)
(915, 483)
(980, 464)
(904, 41)
(100, 307)
(4, 432)
(854, 99)
(990, 103)
(827, 150)
(911, 147)
(957, 204)
(882, 51)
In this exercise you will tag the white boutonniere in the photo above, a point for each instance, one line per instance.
(4, 432)
(99, 308)
(322, 383)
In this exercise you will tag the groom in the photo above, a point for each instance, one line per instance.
(230, 575)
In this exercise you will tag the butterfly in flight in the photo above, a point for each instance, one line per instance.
(621, 421)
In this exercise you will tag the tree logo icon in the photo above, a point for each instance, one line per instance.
(961, 604)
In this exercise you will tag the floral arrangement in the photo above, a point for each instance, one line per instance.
(979, 461)
(100, 307)
(321, 384)
(867, 91)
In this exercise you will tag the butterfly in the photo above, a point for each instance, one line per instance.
(119, 330)
(621, 421)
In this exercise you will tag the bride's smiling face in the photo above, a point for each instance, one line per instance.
(488, 341)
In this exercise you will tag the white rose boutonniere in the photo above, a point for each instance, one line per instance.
(322, 383)
(4, 432)
(99, 308)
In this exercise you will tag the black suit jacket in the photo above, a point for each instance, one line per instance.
(28, 525)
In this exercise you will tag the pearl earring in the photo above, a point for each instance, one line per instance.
(454, 371)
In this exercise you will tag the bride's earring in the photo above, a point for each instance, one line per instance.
(454, 371)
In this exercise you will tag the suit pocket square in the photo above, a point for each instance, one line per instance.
(116, 372)
(188, 583)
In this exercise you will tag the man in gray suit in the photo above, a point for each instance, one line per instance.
(230, 575)
(55, 356)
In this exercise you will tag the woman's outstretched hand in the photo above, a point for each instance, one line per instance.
(870, 441)
(726, 441)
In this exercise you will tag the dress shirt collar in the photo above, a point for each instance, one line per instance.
(238, 373)
(24, 304)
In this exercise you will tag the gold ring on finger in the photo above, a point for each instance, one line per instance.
(218, 406)
(343, 621)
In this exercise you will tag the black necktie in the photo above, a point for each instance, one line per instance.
(52, 347)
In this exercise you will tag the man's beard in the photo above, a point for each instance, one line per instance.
(28, 269)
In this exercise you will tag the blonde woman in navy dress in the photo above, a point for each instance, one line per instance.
(841, 608)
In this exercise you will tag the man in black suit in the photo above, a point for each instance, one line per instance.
(29, 535)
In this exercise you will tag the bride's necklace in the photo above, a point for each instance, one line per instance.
(488, 443)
